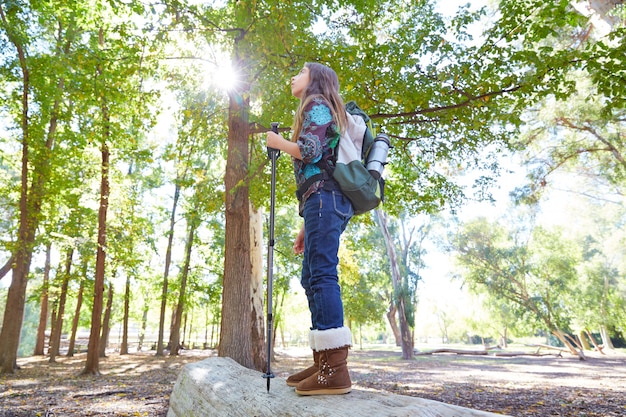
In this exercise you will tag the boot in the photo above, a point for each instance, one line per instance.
(333, 376)
(294, 379)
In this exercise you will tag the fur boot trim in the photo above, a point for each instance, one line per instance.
(333, 338)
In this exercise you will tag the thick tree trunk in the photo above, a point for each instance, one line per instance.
(14, 308)
(29, 207)
(237, 316)
(43, 312)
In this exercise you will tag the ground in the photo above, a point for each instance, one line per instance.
(139, 384)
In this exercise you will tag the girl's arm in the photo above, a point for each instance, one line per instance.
(276, 141)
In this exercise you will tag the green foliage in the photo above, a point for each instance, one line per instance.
(541, 281)
(451, 97)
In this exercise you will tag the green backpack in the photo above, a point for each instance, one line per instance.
(360, 159)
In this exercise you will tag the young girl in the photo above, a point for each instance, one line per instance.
(318, 123)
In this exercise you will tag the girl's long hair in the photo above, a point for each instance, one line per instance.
(323, 82)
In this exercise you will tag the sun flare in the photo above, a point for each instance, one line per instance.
(223, 77)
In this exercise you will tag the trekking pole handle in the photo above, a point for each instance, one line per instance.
(271, 151)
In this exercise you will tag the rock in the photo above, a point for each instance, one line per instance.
(222, 387)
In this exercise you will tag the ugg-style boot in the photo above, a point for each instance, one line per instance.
(333, 376)
(294, 379)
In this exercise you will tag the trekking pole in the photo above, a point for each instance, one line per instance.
(273, 155)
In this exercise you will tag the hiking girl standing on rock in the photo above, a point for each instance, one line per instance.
(318, 123)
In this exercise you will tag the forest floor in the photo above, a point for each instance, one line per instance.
(139, 384)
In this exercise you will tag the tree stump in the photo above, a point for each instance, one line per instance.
(222, 387)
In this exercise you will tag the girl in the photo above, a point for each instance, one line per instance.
(318, 123)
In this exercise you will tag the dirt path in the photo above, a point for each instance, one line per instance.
(140, 384)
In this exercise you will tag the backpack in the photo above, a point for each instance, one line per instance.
(360, 160)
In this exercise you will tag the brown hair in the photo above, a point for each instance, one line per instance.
(323, 82)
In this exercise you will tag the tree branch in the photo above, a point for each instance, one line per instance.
(6, 267)
(464, 103)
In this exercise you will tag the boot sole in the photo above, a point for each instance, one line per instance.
(292, 384)
(327, 391)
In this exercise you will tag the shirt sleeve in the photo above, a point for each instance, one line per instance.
(312, 140)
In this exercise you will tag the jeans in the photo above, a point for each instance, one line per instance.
(326, 214)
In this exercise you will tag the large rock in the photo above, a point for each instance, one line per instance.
(222, 387)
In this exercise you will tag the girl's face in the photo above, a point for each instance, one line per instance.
(299, 82)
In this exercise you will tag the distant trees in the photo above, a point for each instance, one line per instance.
(543, 279)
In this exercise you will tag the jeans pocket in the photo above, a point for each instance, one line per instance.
(342, 205)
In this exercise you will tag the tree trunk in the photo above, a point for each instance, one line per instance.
(237, 319)
(29, 208)
(124, 345)
(400, 294)
(582, 337)
(14, 308)
(43, 312)
(257, 294)
(168, 260)
(562, 337)
(106, 323)
(79, 304)
(606, 339)
(92, 366)
(393, 323)
(55, 337)
(144, 321)
(175, 330)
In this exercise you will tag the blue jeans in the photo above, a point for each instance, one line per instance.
(326, 215)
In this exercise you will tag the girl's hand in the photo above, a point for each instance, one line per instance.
(274, 140)
(298, 244)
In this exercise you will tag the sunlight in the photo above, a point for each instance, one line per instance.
(222, 76)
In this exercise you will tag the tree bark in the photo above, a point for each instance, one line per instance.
(92, 366)
(14, 308)
(256, 292)
(393, 322)
(237, 321)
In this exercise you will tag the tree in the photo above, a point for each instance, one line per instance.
(35, 152)
(400, 295)
(531, 272)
